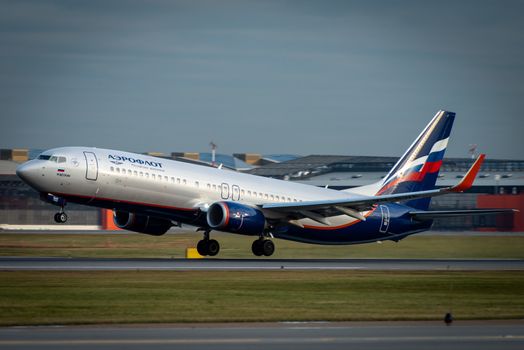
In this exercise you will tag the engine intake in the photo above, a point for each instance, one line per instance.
(141, 223)
(236, 218)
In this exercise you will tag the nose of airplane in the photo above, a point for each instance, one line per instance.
(28, 172)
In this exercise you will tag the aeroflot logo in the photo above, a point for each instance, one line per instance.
(120, 160)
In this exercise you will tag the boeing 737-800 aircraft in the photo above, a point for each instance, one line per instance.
(149, 195)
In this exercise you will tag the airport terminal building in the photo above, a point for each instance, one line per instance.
(500, 184)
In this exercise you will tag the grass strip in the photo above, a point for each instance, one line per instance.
(54, 297)
(126, 245)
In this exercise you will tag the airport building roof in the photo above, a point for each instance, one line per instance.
(316, 165)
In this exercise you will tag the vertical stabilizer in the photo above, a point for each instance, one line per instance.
(417, 169)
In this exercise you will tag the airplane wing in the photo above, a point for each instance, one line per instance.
(319, 210)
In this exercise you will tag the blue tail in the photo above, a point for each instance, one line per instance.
(417, 169)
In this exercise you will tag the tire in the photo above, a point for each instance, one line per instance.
(256, 248)
(213, 247)
(62, 217)
(268, 247)
(202, 248)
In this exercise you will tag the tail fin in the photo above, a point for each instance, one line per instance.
(417, 170)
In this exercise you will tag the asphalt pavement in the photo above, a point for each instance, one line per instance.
(94, 264)
(474, 335)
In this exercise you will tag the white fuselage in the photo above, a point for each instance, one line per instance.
(124, 177)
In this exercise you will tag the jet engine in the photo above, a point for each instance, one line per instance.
(141, 223)
(236, 218)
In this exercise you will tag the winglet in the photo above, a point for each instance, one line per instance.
(467, 180)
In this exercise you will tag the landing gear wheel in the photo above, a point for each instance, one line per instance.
(264, 247)
(268, 247)
(212, 247)
(202, 248)
(256, 247)
(208, 247)
(60, 218)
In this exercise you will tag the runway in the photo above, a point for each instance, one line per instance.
(94, 264)
(375, 335)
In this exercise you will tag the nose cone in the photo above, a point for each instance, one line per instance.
(29, 172)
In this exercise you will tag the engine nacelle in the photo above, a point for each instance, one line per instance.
(141, 223)
(236, 218)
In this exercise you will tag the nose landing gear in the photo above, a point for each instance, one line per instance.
(61, 217)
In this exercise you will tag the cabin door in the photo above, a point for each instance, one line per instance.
(91, 166)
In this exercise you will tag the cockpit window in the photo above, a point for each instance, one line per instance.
(56, 159)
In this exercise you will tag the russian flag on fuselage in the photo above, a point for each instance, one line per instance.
(417, 169)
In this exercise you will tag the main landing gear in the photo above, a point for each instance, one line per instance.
(208, 247)
(61, 216)
(263, 246)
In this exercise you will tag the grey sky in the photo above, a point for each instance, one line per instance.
(322, 77)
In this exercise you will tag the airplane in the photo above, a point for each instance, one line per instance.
(150, 195)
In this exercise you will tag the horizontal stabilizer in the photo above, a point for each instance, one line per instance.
(429, 215)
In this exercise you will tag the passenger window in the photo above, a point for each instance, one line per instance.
(166, 178)
(185, 182)
(249, 193)
(118, 170)
(243, 192)
(135, 173)
(141, 174)
(112, 168)
(265, 195)
(254, 194)
(272, 197)
(153, 176)
(214, 187)
(178, 180)
(208, 186)
(147, 175)
(196, 184)
(172, 180)
(61, 159)
(277, 198)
